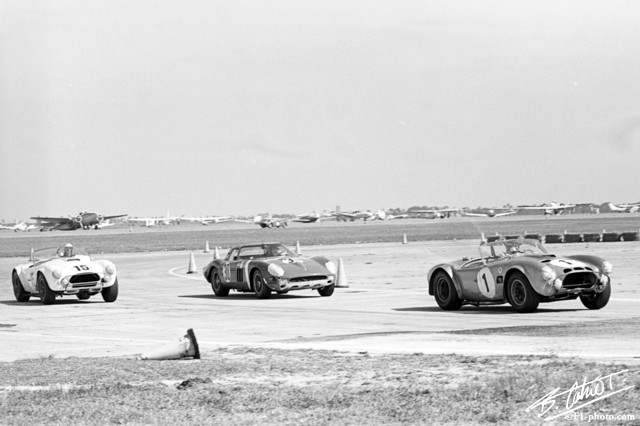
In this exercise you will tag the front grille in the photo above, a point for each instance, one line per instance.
(84, 278)
(305, 279)
(579, 280)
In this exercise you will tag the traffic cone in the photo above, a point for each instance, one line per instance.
(298, 250)
(482, 238)
(206, 247)
(192, 265)
(216, 253)
(404, 239)
(187, 347)
(341, 280)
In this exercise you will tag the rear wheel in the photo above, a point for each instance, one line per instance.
(47, 296)
(521, 296)
(327, 291)
(216, 286)
(597, 301)
(445, 292)
(110, 294)
(18, 290)
(261, 289)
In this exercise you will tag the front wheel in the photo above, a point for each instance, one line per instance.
(110, 294)
(47, 296)
(597, 301)
(445, 292)
(18, 290)
(521, 296)
(216, 286)
(261, 289)
(327, 291)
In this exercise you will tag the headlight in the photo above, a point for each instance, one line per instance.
(548, 274)
(56, 274)
(331, 267)
(275, 270)
(110, 269)
(65, 282)
(607, 267)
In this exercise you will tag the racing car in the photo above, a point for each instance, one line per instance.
(62, 271)
(267, 267)
(522, 273)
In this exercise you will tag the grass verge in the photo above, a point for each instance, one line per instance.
(241, 386)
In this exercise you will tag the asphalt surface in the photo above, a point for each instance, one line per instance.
(385, 309)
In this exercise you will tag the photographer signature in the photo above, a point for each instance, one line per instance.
(580, 395)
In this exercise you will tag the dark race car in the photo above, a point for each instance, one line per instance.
(263, 268)
(520, 272)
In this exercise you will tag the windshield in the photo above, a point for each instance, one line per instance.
(53, 252)
(502, 248)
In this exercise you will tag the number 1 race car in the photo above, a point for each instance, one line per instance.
(520, 272)
(263, 268)
(53, 272)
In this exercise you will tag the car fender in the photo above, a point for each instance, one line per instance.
(448, 269)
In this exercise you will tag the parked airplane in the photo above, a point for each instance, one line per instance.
(624, 208)
(84, 220)
(552, 208)
(382, 215)
(208, 220)
(150, 222)
(342, 216)
(436, 213)
(310, 217)
(266, 221)
(491, 213)
(20, 226)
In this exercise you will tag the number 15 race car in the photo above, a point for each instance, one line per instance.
(520, 272)
(263, 268)
(53, 272)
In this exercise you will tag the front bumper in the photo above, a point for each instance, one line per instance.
(301, 283)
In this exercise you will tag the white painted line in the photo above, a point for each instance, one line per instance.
(175, 274)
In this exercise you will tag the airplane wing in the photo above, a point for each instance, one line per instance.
(113, 217)
(509, 213)
(52, 220)
(475, 214)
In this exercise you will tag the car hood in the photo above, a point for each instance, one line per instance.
(68, 265)
(298, 266)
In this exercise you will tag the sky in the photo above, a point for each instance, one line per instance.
(291, 106)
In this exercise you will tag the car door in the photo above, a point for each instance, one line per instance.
(482, 281)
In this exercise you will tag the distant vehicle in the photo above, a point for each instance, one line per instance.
(522, 273)
(62, 271)
(550, 209)
(491, 213)
(263, 268)
(624, 208)
(20, 226)
(84, 220)
(436, 213)
(267, 221)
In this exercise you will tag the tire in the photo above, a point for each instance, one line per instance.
(327, 291)
(83, 296)
(259, 287)
(18, 290)
(597, 301)
(520, 294)
(110, 294)
(47, 296)
(445, 292)
(216, 285)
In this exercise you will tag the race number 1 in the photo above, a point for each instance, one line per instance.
(486, 283)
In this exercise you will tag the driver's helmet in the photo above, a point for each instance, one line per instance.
(67, 250)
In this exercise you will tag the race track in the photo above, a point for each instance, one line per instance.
(385, 309)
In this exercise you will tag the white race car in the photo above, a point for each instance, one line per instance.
(62, 271)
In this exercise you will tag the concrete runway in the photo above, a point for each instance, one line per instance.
(386, 309)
